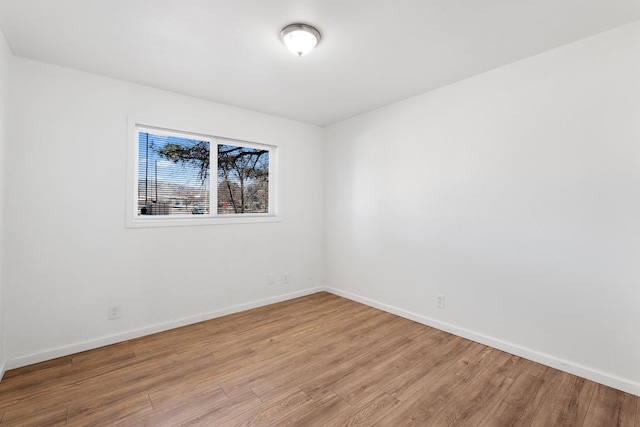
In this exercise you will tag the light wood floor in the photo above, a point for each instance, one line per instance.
(318, 360)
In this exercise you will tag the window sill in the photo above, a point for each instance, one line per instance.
(182, 221)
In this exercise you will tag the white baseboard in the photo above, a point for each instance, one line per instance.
(595, 375)
(2, 370)
(148, 330)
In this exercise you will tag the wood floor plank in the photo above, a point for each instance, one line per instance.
(119, 383)
(473, 403)
(22, 384)
(102, 357)
(438, 387)
(323, 409)
(35, 417)
(516, 366)
(367, 412)
(165, 398)
(612, 408)
(566, 402)
(112, 385)
(273, 411)
(371, 375)
(107, 412)
(38, 369)
(209, 415)
(321, 384)
(197, 410)
(281, 370)
(520, 403)
(315, 360)
(435, 362)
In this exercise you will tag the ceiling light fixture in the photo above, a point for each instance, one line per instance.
(300, 39)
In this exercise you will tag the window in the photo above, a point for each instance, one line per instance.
(190, 178)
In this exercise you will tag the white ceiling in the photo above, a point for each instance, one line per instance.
(373, 52)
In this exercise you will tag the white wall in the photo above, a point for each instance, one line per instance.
(516, 195)
(5, 58)
(69, 254)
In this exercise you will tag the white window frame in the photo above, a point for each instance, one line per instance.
(133, 220)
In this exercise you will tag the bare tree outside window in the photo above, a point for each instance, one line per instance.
(243, 180)
(242, 176)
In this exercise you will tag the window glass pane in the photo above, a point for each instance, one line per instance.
(173, 175)
(243, 180)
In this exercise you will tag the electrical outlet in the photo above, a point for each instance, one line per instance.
(270, 280)
(114, 312)
(286, 277)
(441, 302)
